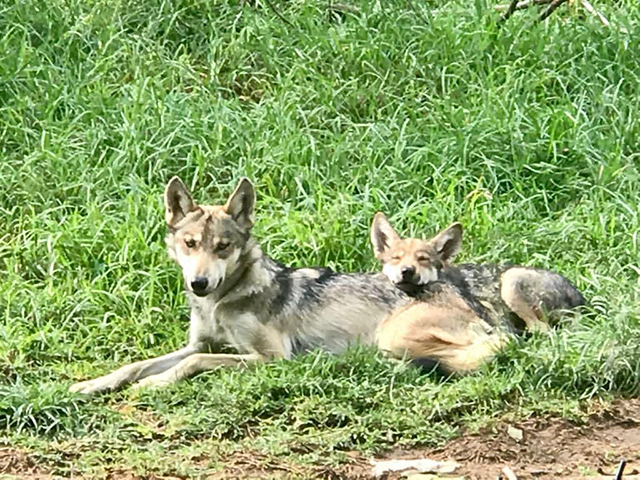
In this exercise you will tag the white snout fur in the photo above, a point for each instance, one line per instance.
(215, 270)
(428, 275)
(394, 273)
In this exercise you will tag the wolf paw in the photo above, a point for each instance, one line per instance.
(89, 387)
(154, 381)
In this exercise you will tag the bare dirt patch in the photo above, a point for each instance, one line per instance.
(14, 463)
(548, 449)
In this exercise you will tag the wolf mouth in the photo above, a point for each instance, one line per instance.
(409, 287)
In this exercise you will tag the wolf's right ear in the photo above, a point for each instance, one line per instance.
(382, 234)
(177, 202)
(240, 204)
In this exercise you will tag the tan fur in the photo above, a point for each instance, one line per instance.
(446, 331)
(442, 328)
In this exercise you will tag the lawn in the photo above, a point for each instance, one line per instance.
(528, 133)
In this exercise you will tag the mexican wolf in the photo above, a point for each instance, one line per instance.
(479, 307)
(241, 297)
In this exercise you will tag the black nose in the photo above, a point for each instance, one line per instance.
(407, 273)
(199, 284)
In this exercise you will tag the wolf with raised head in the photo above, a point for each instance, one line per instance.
(241, 297)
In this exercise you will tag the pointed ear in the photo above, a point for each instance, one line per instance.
(449, 241)
(240, 204)
(177, 202)
(382, 234)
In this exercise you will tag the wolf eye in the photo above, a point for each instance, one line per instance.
(190, 242)
(422, 258)
(222, 245)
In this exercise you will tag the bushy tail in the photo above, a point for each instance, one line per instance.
(563, 295)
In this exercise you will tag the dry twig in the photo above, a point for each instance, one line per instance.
(277, 12)
(552, 8)
(623, 463)
(589, 8)
(522, 4)
(510, 10)
(511, 7)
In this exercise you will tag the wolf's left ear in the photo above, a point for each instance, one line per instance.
(449, 241)
(240, 204)
(382, 234)
(177, 202)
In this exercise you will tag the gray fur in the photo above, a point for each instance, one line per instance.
(548, 291)
(262, 309)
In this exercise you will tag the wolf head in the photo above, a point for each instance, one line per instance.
(208, 241)
(412, 262)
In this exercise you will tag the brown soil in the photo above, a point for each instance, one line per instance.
(18, 464)
(548, 449)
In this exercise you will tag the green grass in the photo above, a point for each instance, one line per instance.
(528, 134)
